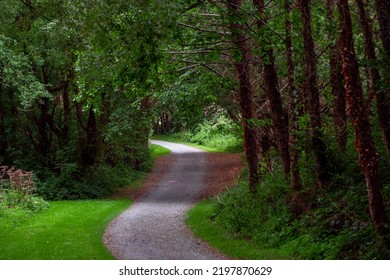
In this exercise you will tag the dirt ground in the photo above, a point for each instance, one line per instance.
(224, 171)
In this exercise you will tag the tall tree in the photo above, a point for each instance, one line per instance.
(312, 94)
(4, 157)
(383, 12)
(382, 95)
(278, 115)
(292, 99)
(368, 157)
(246, 92)
(336, 81)
(91, 149)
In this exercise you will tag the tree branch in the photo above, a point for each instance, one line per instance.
(203, 30)
(193, 6)
(201, 64)
(33, 9)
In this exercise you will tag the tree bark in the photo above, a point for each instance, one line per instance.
(3, 137)
(146, 106)
(67, 113)
(312, 101)
(368, 157)
(337, 83)
(292, 101)
(91, 149)
(383, 12)
(42, 124)
(246, 96)
(42, 128)
(279, 118)
(382, 105)
(338, 91)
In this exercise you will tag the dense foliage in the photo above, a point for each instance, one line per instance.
(75, 86)
(308, 82)
(302, 85)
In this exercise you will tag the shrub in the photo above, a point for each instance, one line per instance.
(220, 133)
(12, 199)
(19, 190)
(263, 217)
(97, 182)
(335, 226)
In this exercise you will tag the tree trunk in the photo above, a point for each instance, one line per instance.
(42, 127)
(146, 111)
(336, 80)
(91, 147)
(67, 113)
(383, 12)
(368, 157)
(42, 124)
(311, 93)
(3, 137)
(338, 91)
(292, 100)
(246, 96)
(382, 105)
(271, 80)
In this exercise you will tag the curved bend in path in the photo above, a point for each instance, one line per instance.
(154, 227)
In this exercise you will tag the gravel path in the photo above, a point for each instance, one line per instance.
(153, 227)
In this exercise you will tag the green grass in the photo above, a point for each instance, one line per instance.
(263, 226)
(157, 151)
(199, 218)
(170, 138)
(68, 230)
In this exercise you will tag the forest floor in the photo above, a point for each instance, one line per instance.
(154, 226)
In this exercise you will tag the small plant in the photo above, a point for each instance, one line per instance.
(18, 190)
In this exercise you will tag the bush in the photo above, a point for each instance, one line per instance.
(220, 133)
(14, 199)
(336, 225)
(97, 182)
(19, 190)
(118, 165)
(264, 218)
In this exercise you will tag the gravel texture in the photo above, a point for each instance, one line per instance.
(154, 227)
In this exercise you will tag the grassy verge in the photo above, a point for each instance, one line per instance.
(264, 226)
(199, 218)
(68, 230)
(173, 139)
(157, 151)
(218, 134)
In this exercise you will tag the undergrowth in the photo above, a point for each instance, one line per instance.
(32, 228)
(18, 192)
(221, 134)
(97, 182)
(336, 224)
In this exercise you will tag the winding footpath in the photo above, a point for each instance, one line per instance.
(154, 227)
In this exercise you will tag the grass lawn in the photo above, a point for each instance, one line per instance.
(199, 220)
(68, 230)
(157, 151)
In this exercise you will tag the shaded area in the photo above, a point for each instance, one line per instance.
(223, 172)
(154, 228)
